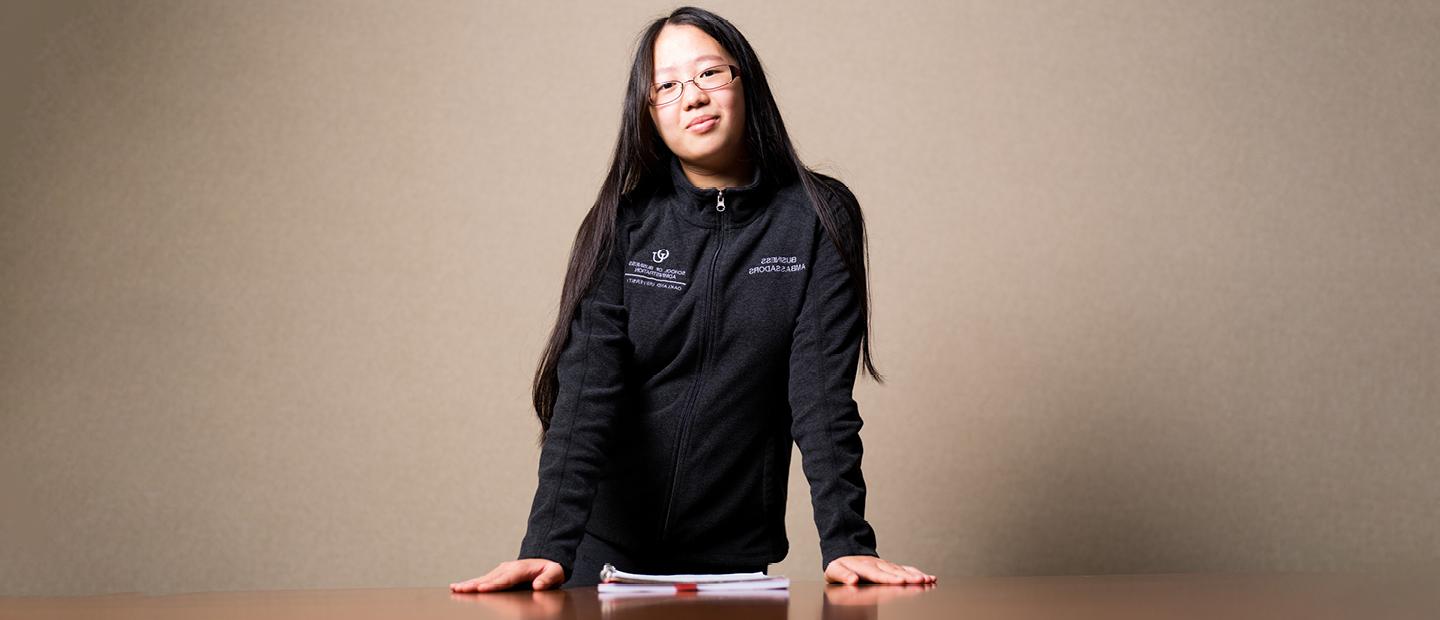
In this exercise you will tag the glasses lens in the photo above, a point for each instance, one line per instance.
(715, 77)
(664, 92)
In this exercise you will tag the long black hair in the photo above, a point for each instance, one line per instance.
(640, 154)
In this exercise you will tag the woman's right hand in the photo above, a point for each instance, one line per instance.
(541, 573)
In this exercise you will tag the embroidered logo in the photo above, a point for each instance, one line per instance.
(774, 264)
(641, 273)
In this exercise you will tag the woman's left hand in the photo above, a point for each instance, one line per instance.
(868, 568)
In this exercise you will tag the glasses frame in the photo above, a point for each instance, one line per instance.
(734, 75)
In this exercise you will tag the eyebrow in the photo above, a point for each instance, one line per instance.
(697, 59)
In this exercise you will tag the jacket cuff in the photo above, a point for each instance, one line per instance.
(566, 561)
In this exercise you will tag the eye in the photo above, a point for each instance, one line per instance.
(708, 72)
(664, 86)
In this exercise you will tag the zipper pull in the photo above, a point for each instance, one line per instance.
(720, 200)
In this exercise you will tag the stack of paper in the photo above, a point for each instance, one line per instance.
(615, 580)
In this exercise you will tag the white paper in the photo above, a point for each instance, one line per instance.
(768, 583)
(611, 574)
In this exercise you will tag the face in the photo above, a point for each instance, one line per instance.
(681, 53)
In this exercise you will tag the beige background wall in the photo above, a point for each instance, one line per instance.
(1155, 281)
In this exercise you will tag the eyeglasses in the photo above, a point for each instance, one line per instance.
(718, 76)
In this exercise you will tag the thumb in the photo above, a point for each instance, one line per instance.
(550, 576)
(837, 572)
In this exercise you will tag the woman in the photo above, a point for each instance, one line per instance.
(713, 312)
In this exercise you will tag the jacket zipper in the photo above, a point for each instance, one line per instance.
(704, 354)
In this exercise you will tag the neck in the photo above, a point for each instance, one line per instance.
(735, 173)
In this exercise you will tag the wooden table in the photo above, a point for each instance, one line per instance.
(1109, 597)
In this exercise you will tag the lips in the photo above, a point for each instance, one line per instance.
(700, 119)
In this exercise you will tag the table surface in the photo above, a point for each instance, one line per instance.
(1108, 596)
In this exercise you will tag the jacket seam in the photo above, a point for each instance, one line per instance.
(824, 400)
(826, 408)
(570, 425)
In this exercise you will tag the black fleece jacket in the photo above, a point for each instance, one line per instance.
(724, 328)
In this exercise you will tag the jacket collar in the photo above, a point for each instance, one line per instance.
(698, 205)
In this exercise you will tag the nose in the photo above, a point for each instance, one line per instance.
(693, 96)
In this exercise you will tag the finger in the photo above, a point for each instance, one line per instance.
(469, 584)
(491, 586)
(880, 569)
(908, 575)
(923, 575)
(876, 572)
(839, 572)
(873, 574)
(497, 580)
(926, 576)
(915, 572)
(551, 576)
(472, 585)
(865, 572)
(465, 586)
(509, 578)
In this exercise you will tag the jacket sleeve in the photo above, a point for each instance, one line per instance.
(825, 420)
(576, 446)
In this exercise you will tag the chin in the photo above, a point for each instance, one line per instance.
(706, 153)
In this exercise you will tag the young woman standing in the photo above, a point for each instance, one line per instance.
(714, 311)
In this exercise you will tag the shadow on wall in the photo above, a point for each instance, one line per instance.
(1111, 485)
